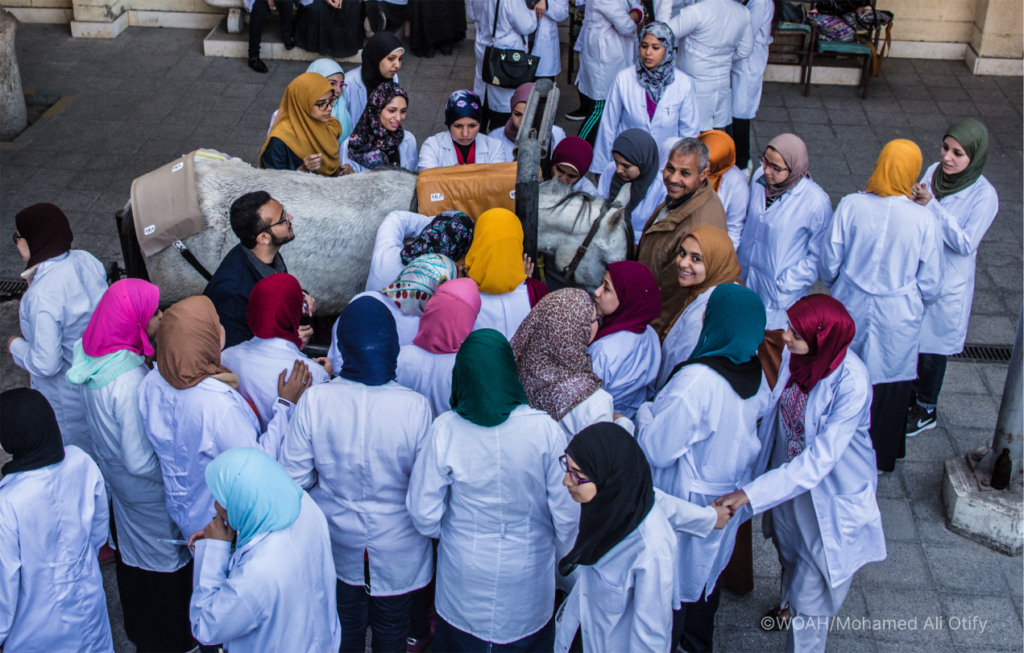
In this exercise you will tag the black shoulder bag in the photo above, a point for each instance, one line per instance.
(507, 68)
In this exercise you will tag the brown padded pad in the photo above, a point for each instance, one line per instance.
(165, 205)
(472, 188)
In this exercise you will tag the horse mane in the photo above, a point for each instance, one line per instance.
(568, 195)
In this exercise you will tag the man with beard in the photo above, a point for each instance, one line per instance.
(262, 225)
(690, 201)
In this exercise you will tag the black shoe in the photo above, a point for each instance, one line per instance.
(288, 40)
(919, 419)
(446, 49)
(577, 115)
(257, 64)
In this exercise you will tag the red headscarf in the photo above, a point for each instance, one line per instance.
(639, 299)
(275, 306)
(574, 151)
(47, 231)
(120, 319)
(828, 329)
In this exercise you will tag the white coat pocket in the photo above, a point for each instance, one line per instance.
(607, 598)
(855, 511)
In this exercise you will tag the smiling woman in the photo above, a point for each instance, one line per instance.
(379, 139)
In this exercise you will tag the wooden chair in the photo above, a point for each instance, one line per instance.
(821, 48)
(791, 44)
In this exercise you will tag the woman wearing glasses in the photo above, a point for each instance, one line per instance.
(305, 135)
(786, 221)
(626, 547)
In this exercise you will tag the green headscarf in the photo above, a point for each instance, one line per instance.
(734, 322)
(973, 136)
(103, 370)
(485, 383)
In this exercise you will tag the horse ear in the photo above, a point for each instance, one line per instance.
(622, 199)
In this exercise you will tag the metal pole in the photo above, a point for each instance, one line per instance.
(1010, 425)
(527, 194)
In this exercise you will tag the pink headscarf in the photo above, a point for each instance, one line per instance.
(121, 318)
(521, 94)
(449, 317)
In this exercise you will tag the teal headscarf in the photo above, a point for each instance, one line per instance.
(328, 67)
(256, 491)
(485, 383)
(102, 370)
(734, 322)
(973, 136)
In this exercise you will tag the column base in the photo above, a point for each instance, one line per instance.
(89, 30)
(976, 511)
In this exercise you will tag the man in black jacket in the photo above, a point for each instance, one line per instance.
(262, 225)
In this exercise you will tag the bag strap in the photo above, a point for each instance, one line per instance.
(192, 260)
(570, 270)
(494, 28)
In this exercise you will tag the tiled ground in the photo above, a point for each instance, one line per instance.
(149, 96)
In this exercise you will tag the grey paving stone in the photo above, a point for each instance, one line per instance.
(921, 480)
(897, 520)
(904, 616)
(974, 571)
(890, 486)
(964, 617)
(930, 520)
(904, 567)
(992, 330)
(749, 639)
(964, 378)
(967, 440)
(995, 378)
(967, 410)
(932, 445)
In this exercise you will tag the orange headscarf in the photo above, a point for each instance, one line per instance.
(898, 167)
(299, 131)
(720, 263)
(723, 154)
(495, 259)
(188, 345)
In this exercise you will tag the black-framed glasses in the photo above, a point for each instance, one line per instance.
(776, 169)
(284, 218)
(16, 236)
(324, 105)
(563, 460)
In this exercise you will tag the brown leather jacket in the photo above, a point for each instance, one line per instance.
(659, 245)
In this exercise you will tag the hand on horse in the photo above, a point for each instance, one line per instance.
(296, 384)
(345, 169)
(311, 163)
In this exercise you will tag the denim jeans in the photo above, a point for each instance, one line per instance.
(449, 639)
(694, 623)
(931, 370)
(387, 616)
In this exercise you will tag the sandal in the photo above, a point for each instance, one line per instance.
(773, 621)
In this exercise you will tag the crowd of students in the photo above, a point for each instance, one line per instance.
(480, 462)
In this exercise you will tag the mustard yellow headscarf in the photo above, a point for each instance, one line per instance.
(495, 259)
(898, 167)
(299, 131)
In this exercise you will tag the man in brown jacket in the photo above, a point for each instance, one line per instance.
(691, 202)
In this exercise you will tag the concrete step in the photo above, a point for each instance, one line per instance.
(221, 43)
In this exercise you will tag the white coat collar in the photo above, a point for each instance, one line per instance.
(279, 343)
(41, 268)
(482, 145)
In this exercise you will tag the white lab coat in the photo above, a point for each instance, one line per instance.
(132, 472)
(626, 108)
(54, 312)
(837, 467)
(275, 593)
(748, 73)
(503, 313)
(428, 374)
(624, 601)
(406, 153)
(735, 197)
(882, 260)
(666, 9)
(386, 260)
(609, 44)
(258, 364)
(714, 33)
(355, 92)
(702, 442)
(962, 220)
(498, 134)
(407, 325)
(189, 428)
(494, 497)
(546, 44)
(438, 151)
(780, 246)
(682, 337)
(627, 363)
(53, 521)
(357, 470)
(598, 407)
(585, 185)
(643, 212)
(515, 22)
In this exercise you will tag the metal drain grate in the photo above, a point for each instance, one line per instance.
(11, 287)
(984, 354)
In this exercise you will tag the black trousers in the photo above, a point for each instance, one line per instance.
(258, 18)
(889, 403)
(588, 130)
(931, 371)
(741, 136)
(694, 623)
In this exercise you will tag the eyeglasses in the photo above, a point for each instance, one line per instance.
(16, 236)
(339, 85)
(573, 475)
(774, 168)
(324, 105)
(284, 218)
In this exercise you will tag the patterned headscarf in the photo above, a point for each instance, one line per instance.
(418, 282)
(449, 233)
(371, 144)
(655, 80)
(463, 104)
(550, 347)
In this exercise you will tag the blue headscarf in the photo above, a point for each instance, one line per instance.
(463, 104)
(734, 322)
(328, 67)
(256, 491)
(368, 342)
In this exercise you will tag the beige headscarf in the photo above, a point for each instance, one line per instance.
(188, 345)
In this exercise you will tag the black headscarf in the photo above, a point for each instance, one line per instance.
(47, 231)
(29, 431)
(610, 457)
(639, 148)
(376, 50)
